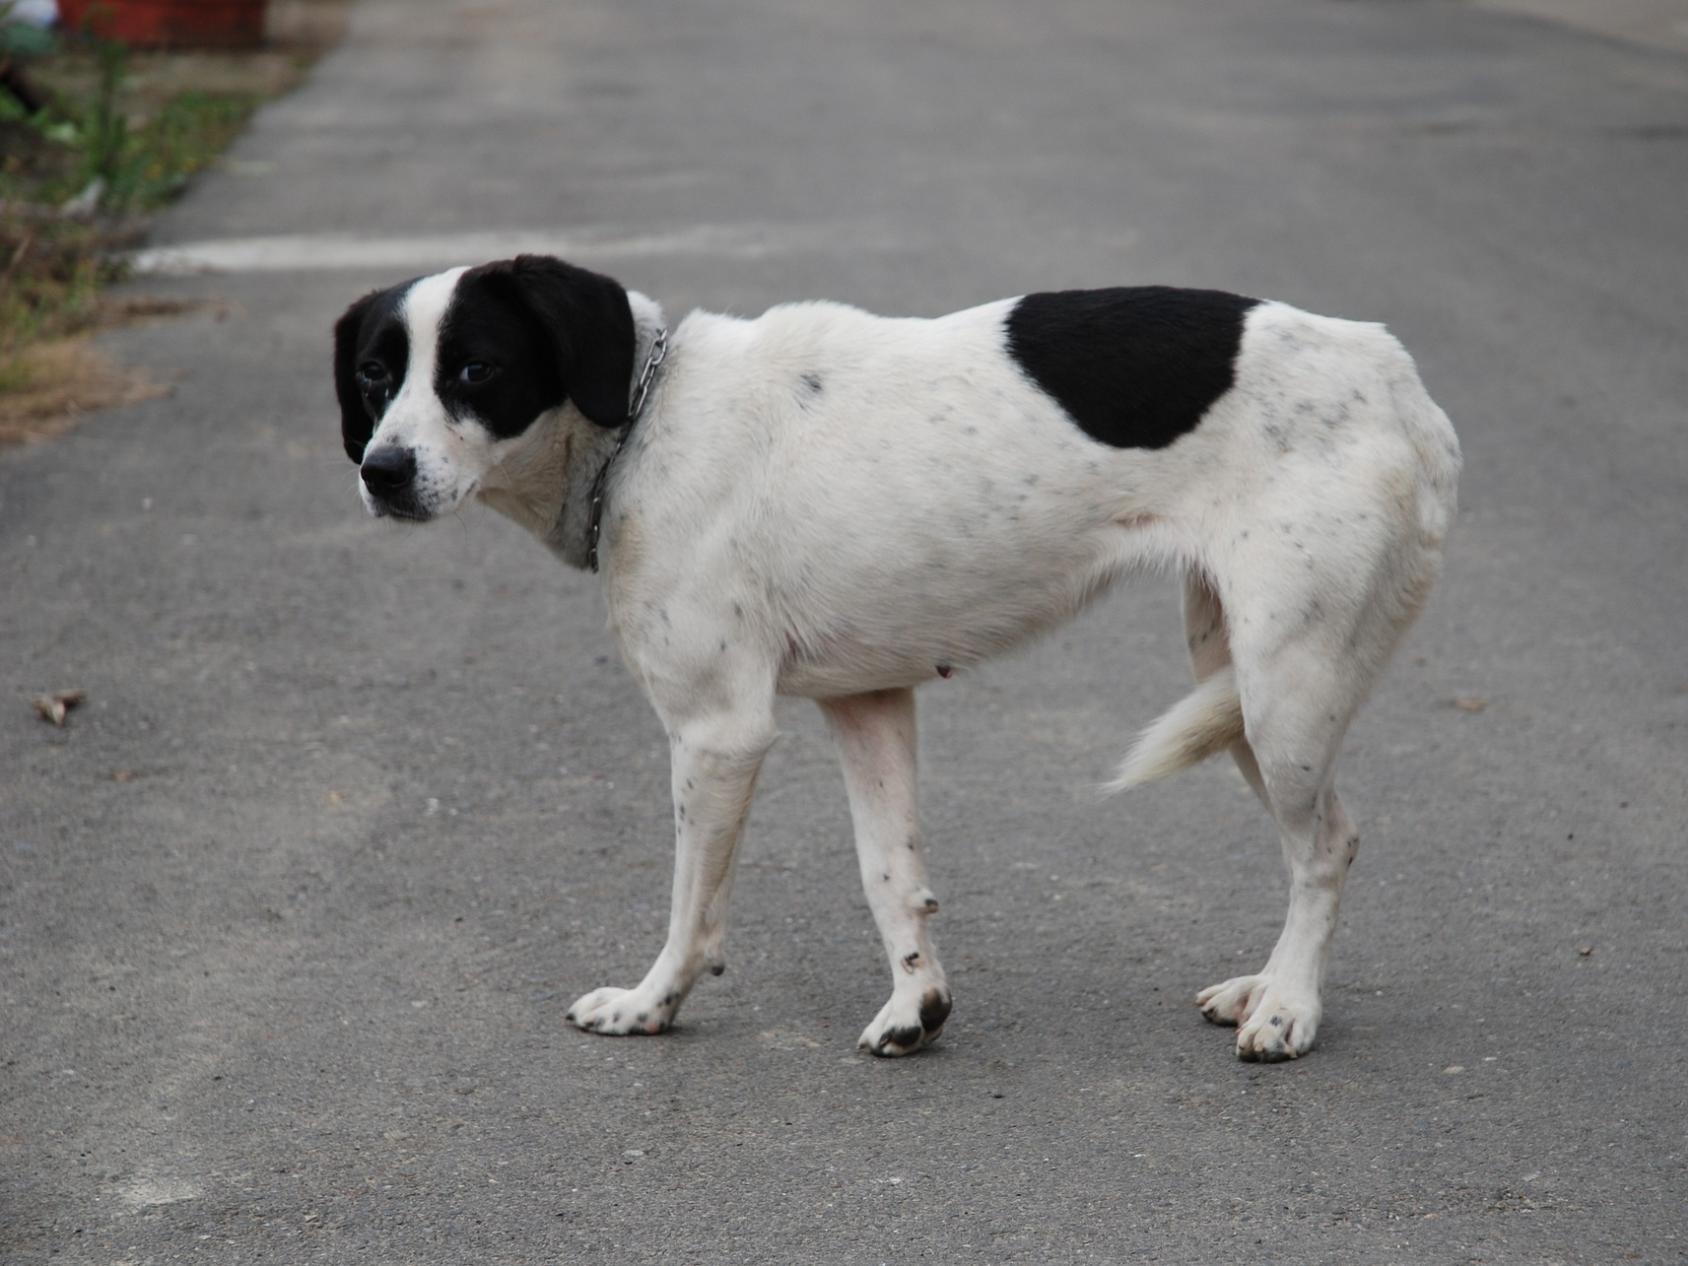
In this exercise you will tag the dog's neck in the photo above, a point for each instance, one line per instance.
(548, 489)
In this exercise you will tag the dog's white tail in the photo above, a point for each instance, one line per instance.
(1207, 720)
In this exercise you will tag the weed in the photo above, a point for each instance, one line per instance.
(50, 276)
(121, 135)
(90, 142)
(187, 136)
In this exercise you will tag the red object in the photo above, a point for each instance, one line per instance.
(178, 23)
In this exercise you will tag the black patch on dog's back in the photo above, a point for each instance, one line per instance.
(1136, 366)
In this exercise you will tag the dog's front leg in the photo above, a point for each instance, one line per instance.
(714, 772)
(875, 735)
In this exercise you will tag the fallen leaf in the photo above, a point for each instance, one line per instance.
(123, 775)
(1471, 703)
(55, 706)
(1585, 950)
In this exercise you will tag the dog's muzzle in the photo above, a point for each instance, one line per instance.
(389, 474)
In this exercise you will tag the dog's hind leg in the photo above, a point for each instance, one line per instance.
(1208, 641)
(715, 760)
(876, 743)
(1295, 711)
(1304, 658)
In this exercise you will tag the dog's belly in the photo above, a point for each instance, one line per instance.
(922, 618)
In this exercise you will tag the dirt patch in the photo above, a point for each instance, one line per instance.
(50, 384)
(116, 311)
(54, 383)
(307, 25)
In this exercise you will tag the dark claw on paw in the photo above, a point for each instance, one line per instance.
(934, 1010)
(904, 1039)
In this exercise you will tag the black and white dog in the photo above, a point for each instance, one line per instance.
(824, 503)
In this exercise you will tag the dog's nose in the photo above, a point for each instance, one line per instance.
(389, 470)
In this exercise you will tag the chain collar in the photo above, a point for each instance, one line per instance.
(641, 390)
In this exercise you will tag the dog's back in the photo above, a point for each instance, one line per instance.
(959, 509)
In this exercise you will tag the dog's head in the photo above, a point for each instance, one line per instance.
(442, 380)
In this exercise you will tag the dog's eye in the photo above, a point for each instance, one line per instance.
(476, 371)
(372, 373)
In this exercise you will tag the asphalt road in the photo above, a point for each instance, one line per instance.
(290, 911)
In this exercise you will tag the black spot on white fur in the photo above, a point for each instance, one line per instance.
(548, 332)
(370, 333)
(1134, 367)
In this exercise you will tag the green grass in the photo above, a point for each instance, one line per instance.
(137, 160)
(185, 138)
(91, 135)
(50, 278)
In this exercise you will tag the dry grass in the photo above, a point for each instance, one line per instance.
(179, 108)
(56, 382)
(51, 383)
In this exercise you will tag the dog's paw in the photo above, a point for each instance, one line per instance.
(1273, 1022)
(1282, 1025)
(1228, 1003)
(906, 1023)
(621, 1011)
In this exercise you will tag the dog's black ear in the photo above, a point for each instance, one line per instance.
(355, 424)
(590, 324)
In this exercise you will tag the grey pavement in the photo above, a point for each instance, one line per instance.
(291, 910)
(1655, 23)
